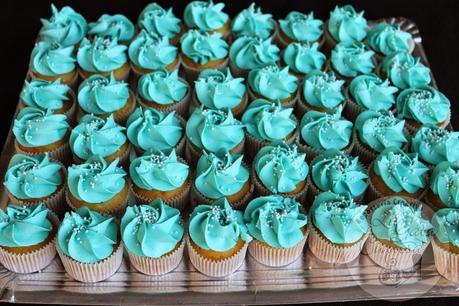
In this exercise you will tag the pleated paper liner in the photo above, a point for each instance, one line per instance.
(237, 111)
(446, 262)
(193, 153)
(192, 73)
(289, 102)
(314, 191)
(62, 153)
(73, 83)
(312, 153)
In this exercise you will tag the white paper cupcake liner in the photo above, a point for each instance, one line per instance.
(446, 262)
(237, 114)
(62, 153)
(314, 191)
(191, 73)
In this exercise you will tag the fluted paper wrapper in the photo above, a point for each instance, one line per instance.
(192, 74)
(180, 201)
(62, 154)
(446, 262)
(193, 153)
(261, 190)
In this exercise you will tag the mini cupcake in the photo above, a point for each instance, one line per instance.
(396, 173)
(302, 58)
(266, 122)
(338, 228)
(27, 236)
(215, 131)
(148, 128)
(444, 186)
(323, 131)
(345, 25)
(279, 229)
(208, 17)
(386, 39)
(222, 254)
(251, 21)
(153, 236)
(404, 70)
(251, 52)
(98, 185)
(337, 172)
(222, 176)
(201, 50)
(377, 130)
(349, 60)
(423, 105)
(302, 28)
(165, 91)
(35, 179)
(103, 55)
(112, 26)
(39, 131)
(220, 90)
(273, 83)
(89, 245)
(105, 96)
(161, 175)
(156, 20)
(399, 232)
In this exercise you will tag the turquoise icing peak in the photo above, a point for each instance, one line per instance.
(405, 71)
(113, 26)
(435, 144)
(205, 15)
(388, 38)
(304, 58)
(347, 25)
(51, 59)
(252, 21)
(446, 226)
(45, 94)
(444, 183)
(352, 59)
(102, 54)
(301, 27)
(162, 87)
(272, 82)
(322, 89)
(370, 92)
(157, 20)
(251, 52)
(202, 47)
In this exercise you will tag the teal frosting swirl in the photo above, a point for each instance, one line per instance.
(339, 218)
(276, 221)
(151, 230)
(218, 177)
(101, 95)
(34, 127)
(45, 94)
(215, 131)
(304, 58)
(397, 221)
(425, 104)
(273, 83)
(322, 89)
(156, 20)
(265, 120)
(151, 129)
(446, 226)
(150, 51)
(114, 26)
(301, 27)
(252, 21)
(87, 236)
(347, 25)
(50, 59)
(157, 170)
(370, 92)
(162, 87)
(202, 47)
(400, 171)
(352, 59)
(435, 144)
(96, 136)
(101, 54)
(405, 71)
(444, 182)
(326, 131)
(218, 90)
(280, 167)
(22, 226)
(251, 52)
(380, 130)
(388, 38)
(96, 181)
(65, 26)
(217, 227)
(32, 177)
(205, 15)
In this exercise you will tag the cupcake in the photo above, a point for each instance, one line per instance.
(39, 131)
(386, 39)
(222, 176)
(35, 179)
(338, 228)
(399, 232)
(201, 50)
(278, 226)
(208, 17)
(165, 91)
(103, 96)
(98, 185)
(148, 128)
(103, 55)
(377, 130)
(444, 186)
(251, 21)
(160, 175)
(27, 236)
(273, 83)
(89, 245)
(279, 168)
(337, 172)
(349, 60)
(423, 105)
(153, 236)
(404, 71)
(215, 131)
(345, 25)
(222, 254)
(301, 28)
(219, 90)
(396, 173)
(112, 26)
(156, 20)
(322, 131)
(302, 58)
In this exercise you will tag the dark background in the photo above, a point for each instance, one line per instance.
(438, 21)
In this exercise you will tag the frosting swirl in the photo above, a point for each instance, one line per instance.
(205, 15)
(435, 144)
(446, 226)
(102, 54)
(273, 83)
(162, 87)
(114, 26)
(45, 94)
(322, 89)
(301, 27)
(347, 25)
(202, 47)
(405, 71)
(251, 52)
(370, 92)
(156, 20)
(304, 58)
(444, 183)
(352, 59)
(251, 21)
(50, 59)
(388, 38)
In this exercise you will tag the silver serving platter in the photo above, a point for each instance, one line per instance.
(308, 280)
